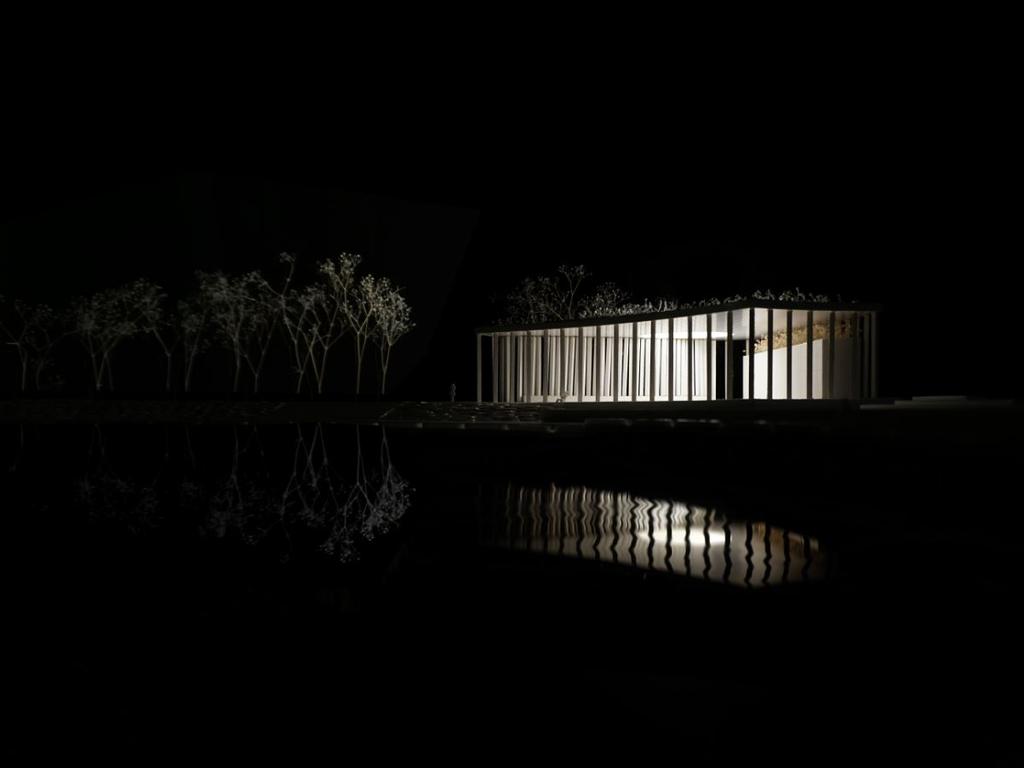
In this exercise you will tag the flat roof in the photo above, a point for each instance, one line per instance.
(708, 309)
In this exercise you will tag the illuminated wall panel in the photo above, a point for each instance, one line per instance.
(763, 353)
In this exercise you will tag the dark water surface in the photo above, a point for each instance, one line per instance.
(327, 588)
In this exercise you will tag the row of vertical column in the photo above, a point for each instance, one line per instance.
(810, 354)
(786, 354)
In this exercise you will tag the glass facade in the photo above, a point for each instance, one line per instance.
(791, 352)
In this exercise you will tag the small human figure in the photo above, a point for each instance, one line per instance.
(451, 392)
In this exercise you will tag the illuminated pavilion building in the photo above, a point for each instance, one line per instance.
(751, 349)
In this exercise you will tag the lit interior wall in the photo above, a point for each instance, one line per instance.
(779, 367)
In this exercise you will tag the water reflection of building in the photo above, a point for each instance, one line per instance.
(668, 536)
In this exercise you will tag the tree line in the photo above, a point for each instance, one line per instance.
(246, 315)
(562, 295)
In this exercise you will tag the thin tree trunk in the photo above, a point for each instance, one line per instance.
(238, 369)
(110, 372)
(385, 360)
(97, 375)
(92, 361)
(321, 373)
(299, 368)
(302, 365)
(40, 364)
(318, 370)
(263, 357)
(167, 385)
(188, 369)
(360, 348)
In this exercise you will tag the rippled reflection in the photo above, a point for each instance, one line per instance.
(670, 536)
(311, 497)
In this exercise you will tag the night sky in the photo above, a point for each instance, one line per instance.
(897, 196)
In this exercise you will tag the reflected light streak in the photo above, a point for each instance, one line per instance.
(715, 538)
(651, 534)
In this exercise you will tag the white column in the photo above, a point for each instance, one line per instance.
(671, 359)
(528, 367)
(708, 362)
(855, 372)
(615, 362)
(830, 373)
(579, 365)
(561, 364)
(750, 354)
(634, 361)
(689, 358)
(729, 363)
(494, 367)
(652, 362)
(789, 354)
(479, 370)
(810, 354)
(508, 368)
(547, 360)
(874, 354)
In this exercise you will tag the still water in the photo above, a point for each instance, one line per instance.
(303, 586)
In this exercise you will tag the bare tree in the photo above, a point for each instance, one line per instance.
(392, 320)
(312, 321)
(225, 301)
(293, 310)
(162, 325)
(33, 330)
(314, 324)
(607, 300)
(192, 323)
(262, 324)
(107, 318)
(50, 328)
(243, 312)
(560, 297)
(352, 298)
(328, 329)
(547, 297)
(15, 330)
(302, 313)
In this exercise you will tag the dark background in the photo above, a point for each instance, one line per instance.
(884, 178)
